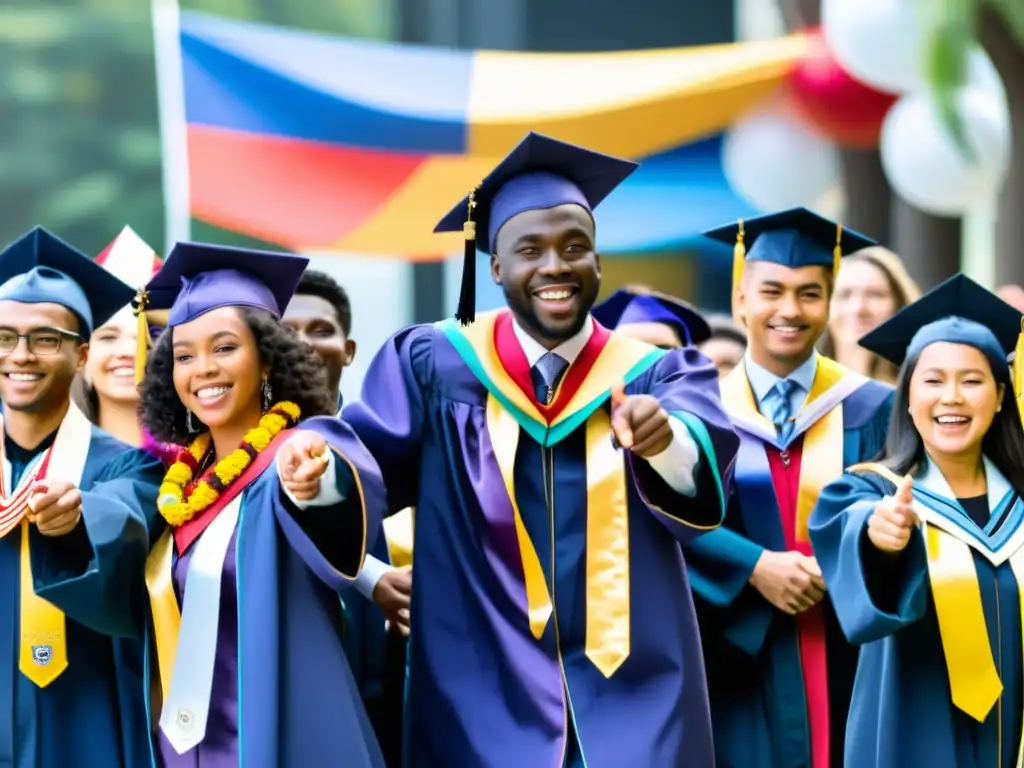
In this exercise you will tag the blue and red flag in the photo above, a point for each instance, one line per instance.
(315, 142)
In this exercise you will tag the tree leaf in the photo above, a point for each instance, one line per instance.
(950, 35)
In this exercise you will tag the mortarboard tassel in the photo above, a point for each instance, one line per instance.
(139, 309)
(1018, 371)
(837, 252)
(739, 256)
(466, 312)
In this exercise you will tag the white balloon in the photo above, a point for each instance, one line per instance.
(877, 41)
(773, 161)
(923, 163)
(982, 74)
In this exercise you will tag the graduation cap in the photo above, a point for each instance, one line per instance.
(959, 311)
(40, 268)
(627, 307)
(540, 172)
(198, 278)
(794, 238)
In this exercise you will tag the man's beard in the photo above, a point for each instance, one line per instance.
(522, 308)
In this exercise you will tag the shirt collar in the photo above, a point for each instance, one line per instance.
(568, 350)
(762, 380)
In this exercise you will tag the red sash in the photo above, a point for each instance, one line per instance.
(514, 361)
(188, 532)
(13, 509)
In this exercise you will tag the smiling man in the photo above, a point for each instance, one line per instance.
(73, 540)
(779, 670)
(554, 468)
(321, 314)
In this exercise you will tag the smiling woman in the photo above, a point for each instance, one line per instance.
(921, 552)
(269, 487)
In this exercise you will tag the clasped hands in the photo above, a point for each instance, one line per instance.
(791, 581)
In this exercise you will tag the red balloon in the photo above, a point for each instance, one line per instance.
(830, 99)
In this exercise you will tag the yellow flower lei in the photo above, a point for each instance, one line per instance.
(171, 498)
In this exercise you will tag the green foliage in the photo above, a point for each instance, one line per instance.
(951, 34)
(81, 149)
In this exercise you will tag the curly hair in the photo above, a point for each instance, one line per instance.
(296, 374)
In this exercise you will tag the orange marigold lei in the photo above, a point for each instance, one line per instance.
(171, 501)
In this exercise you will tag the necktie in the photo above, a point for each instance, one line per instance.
(546, 373)
(781, 410)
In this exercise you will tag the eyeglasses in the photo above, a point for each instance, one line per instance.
(40, 341)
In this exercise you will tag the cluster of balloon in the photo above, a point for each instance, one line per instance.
(820, 108)
(880, 42)
(861, 84)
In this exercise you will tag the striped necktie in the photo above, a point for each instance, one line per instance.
(781, 409)
(546, 375)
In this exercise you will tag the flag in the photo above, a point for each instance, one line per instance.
(316, 142)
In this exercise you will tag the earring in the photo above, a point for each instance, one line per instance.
(188, 423)
(268, 395)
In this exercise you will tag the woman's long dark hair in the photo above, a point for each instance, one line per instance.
(296, 374)
(1003, 444)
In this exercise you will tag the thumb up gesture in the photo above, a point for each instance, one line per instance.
(893, 520)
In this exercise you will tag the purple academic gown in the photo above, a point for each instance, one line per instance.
(283, 693)
(482, 691)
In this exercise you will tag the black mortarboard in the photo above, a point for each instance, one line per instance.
(39, 268)
(540, 172)
(958, 310)
(793, 238)
(625, 307)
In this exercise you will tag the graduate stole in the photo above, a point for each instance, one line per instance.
(974, 681)
(820, 423)
(398, 532)
(159, 574)
(491, 351)
(43, 653)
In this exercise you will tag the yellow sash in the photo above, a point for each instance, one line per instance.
(43, 649)
(607, 559)
(974, 682)
(163, 602)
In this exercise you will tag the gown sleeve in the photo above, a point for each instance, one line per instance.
(686, 384)
(874, 593)
(95, 574)
(333, 538)
(391, 415)
(719, 565)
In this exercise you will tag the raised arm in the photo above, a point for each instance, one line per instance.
(334, 528)
(95, 573)
(685, 384)
(875, 593)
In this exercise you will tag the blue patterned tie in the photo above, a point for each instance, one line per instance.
(781, 411)
(546, 373)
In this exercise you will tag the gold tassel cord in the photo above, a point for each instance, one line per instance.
(1018, 371)
(139, 304)
(739, 257)
(837, 252)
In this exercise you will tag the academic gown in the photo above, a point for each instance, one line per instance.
(902, 712)
(94, 711)
(283, 693)
(482, 689)
(770, 673)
